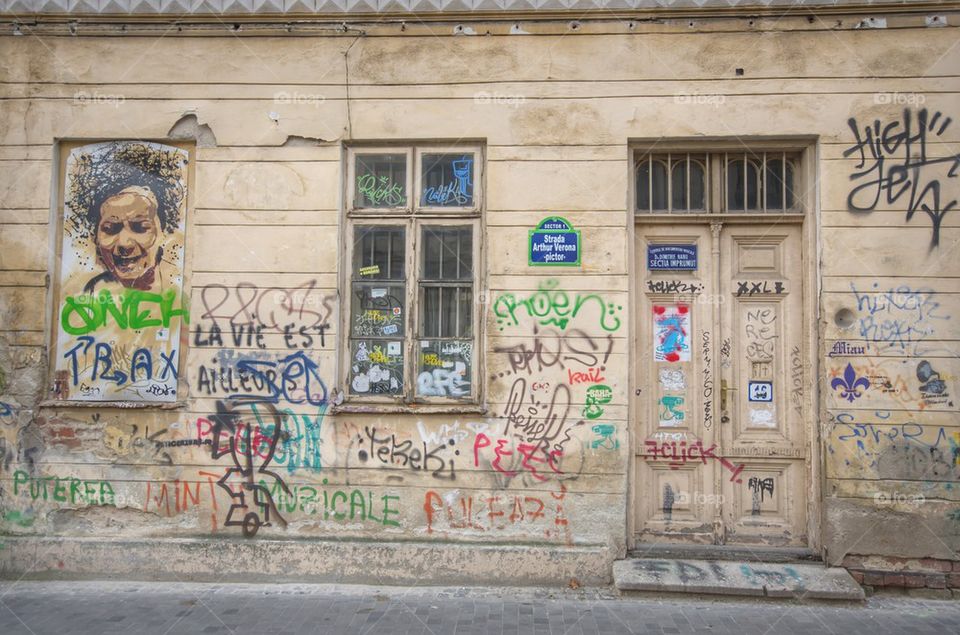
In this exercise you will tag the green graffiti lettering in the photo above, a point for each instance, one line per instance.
(550, 306)
(389, 522)
(86, 313)
(19, 478)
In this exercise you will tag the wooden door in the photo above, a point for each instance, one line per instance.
(720, 420)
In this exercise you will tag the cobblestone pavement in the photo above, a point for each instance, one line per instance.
(168, 608)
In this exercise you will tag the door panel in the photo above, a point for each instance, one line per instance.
(674, 481)
(761, 283)
(720, 439)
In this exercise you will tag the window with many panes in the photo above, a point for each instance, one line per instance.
(735, 182)
(413, 232)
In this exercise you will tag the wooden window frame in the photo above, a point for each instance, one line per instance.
(413, 218)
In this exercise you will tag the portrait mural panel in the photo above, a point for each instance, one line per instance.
(121, 305)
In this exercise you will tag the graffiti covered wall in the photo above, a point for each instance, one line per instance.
(890, 351)
(219, 318)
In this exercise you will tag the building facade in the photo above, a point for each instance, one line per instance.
(477, 292)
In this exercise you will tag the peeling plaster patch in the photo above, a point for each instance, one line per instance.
(516, 29)
(296, 141)
(274, 116)
(936, 20)
(188, 127)
(463, 30)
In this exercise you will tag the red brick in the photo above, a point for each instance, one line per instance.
(893, 579)
(852, 561)
(956, 565)
(914, 580)
(936, 581)
(856, 575)
(933, 564)
(873, 578)
(953, 580)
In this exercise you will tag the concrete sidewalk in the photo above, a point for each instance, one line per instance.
(36, 608)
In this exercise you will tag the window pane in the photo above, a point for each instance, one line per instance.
(659, 186)
(449, 308)
(465, 324)
(430, 306)
(381, 180)
(790, 201)
(444, 368)
(378, 253)
(447, 180)
(432, 254)
(377, 310)
(447, 253)
(775, 184)
(678, 194)
(376, 367)
(698, 186)
(642, 184)
(447, 311)
(735, 185)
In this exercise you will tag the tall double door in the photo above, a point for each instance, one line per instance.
(722, 423)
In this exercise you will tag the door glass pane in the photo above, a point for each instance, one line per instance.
(381, 180)
(447, 180)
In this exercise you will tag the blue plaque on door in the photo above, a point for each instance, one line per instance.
(671, 257)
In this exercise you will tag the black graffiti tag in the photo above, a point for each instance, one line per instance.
(893, 162)
(256, 444)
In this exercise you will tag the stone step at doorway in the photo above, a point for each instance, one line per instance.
(751, 553)
(749, 579)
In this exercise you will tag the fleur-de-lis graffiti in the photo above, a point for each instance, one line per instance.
(850, 385)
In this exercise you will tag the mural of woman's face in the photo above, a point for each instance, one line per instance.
(128, 236)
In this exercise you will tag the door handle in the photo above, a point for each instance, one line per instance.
(723, 394)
